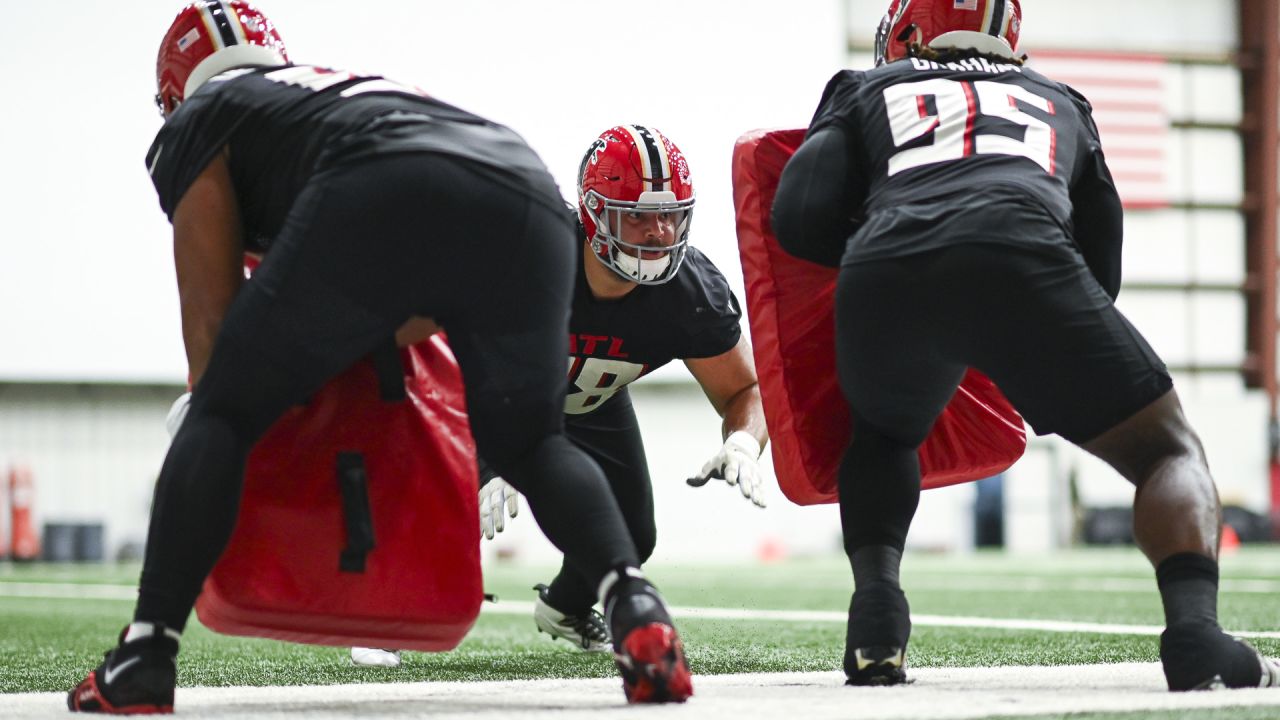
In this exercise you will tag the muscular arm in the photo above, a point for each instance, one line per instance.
(812, 208)
(208, 254)
(1098, 222)
(729, 381)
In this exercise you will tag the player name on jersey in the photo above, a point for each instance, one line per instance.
(977, 64)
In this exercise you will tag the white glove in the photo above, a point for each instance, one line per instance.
(493, 496)
(177, 413)
(737, 463)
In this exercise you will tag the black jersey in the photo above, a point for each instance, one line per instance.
(282, 125)
(613, 342)
(931, 143)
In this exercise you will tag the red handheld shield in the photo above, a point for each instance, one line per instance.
(791, 305)
(394, 563)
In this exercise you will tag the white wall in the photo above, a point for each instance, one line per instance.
(86, 284)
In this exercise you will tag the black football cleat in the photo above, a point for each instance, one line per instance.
(1203, 657)
(876, 638)
(135, 678)
(647, 649)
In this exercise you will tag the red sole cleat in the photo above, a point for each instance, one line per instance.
(87, 698)
(653, 667)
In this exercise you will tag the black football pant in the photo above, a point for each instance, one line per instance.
(364, 248)
(1036, 322)
(610, 435)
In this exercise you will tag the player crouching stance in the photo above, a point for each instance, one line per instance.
(643, 297)
(966, 200)
(362, 195)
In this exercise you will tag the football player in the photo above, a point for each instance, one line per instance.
(643, 297)
(967, 202)
(362, 194)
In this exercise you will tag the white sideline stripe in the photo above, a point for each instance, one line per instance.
(68, 591)
(508, 607)
(937, 694)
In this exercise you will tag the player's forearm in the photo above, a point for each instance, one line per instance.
(199, 331)
(205, 293)
(208, 259)
(1099, 233)
(1098, 224)
(745, 412)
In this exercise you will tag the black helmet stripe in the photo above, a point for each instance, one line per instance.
(998, 9)
(221, 15)
(655, 157)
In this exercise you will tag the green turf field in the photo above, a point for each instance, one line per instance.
(49, 643)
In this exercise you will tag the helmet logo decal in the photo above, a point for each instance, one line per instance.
(592, 157)
(966, 5)
(682, 170)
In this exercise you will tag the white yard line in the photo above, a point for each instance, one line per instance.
(936, 694)
(519, 607)
(1075, 584)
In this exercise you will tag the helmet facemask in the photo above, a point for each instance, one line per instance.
(644, 264)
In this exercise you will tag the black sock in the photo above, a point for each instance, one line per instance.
(1189, 589)
(568, 602)
(875, 564)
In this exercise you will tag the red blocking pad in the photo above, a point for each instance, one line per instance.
(410, 465)
(791, 306)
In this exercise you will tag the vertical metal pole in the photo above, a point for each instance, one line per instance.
(1260, 75)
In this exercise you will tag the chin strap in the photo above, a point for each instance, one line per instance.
(634, 267)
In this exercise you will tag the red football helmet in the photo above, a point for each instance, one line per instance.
(631, 172)
(209, 37)
(988, 26)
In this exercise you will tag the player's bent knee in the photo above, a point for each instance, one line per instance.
(220, 448)
(876, 439)
(1154, 437)
(508, 430)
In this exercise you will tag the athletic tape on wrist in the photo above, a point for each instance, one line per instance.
(745, 441)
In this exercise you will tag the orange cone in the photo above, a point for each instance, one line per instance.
(1230, 542)
(22, 493)
(771, 550)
